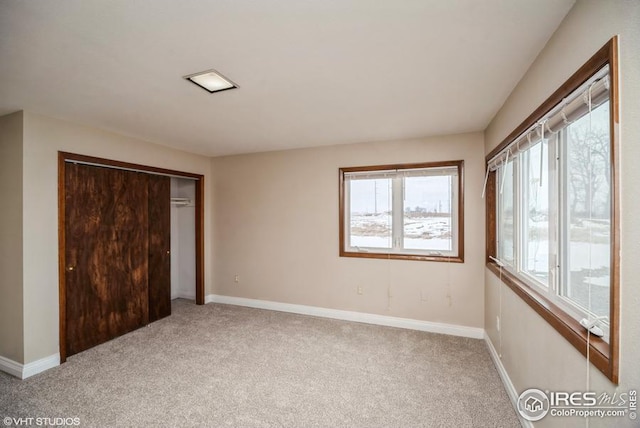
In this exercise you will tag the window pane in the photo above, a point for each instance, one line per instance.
(535, 212)
(428, 213)
(370, 213)
(588, 213)
(506, 214)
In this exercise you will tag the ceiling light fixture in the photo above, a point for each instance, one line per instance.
(211, 81)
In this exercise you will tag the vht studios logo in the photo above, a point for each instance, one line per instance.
(534, 404)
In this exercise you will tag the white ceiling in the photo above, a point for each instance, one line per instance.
(310, 73)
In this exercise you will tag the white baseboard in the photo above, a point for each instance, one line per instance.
(40, 365)
(23, 371)
(506, 380)
(11, 367)
(411, 324)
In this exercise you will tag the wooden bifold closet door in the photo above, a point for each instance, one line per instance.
(117, 238)
(159, 247)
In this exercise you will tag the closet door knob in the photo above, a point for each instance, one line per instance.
(168, 252)
(71, 268)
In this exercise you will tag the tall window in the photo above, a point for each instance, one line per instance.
(586, 213)
(534, 197)
(506, 214)
(555, 231)
(402, 211)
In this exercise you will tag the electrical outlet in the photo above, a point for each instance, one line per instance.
(360, 289)
(424, 296)
(498, 323)
(236, 279)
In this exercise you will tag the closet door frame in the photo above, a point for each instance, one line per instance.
(63, 159)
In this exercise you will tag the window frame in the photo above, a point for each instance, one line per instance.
(344, 250)
(604, 356)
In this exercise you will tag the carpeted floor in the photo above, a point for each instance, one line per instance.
(219, 365)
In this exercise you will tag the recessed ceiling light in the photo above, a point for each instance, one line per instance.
(211, 81)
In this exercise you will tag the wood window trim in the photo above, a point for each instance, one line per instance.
(390, 256)
(63, 158)
(604, 356)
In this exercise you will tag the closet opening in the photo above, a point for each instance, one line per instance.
(183, 238)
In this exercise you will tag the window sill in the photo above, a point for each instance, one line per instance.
(417, 257)
(563, 323)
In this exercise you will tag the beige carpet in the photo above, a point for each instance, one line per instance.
(219, 365)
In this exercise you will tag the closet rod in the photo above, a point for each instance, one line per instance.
(79, 162)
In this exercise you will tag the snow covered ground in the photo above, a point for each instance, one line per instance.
(420, 233)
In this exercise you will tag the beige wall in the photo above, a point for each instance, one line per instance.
(276, 226)
(11, 343)
(533, 353)
(43, 137)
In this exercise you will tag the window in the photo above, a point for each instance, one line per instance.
(586, 208)
(534, 254)
(579, 197)
(554, 232)
(410, 212)
(506, 220)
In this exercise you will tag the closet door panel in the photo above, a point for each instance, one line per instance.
(106, 254)
(159, 247)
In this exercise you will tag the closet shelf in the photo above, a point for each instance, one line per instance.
(182, 202)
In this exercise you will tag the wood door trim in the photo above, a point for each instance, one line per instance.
(62, 247)
(200, 241)
(63, 158)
